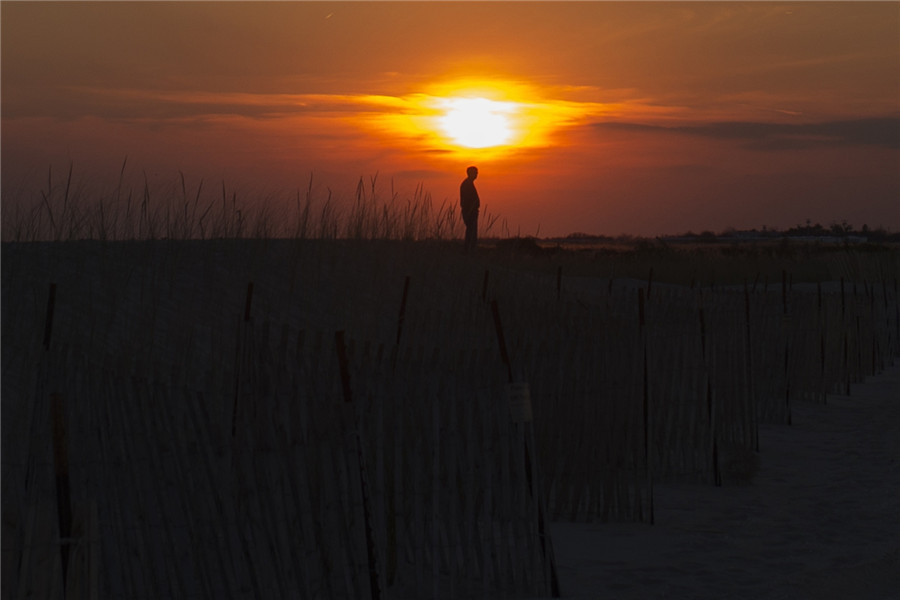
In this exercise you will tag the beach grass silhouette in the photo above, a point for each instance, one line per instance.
(70, 208)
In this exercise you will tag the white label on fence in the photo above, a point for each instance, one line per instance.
(519, 398)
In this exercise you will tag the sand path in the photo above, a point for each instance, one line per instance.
(821, 519)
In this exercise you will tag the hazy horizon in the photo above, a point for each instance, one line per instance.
(625, 117)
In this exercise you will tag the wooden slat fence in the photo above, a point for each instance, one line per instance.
(212, 451)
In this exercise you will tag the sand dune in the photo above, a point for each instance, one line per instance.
(820, 520)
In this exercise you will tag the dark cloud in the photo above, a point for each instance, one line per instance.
(879, 131)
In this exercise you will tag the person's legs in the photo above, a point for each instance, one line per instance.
(471, 233)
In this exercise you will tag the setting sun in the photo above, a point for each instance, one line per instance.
(477, 122)
(457, 117)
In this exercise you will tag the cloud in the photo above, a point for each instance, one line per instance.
(140, 104)
(876, 131)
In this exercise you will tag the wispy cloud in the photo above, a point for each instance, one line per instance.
(879, 131)
(142, 104)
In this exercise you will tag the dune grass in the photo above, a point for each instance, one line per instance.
(70, 209)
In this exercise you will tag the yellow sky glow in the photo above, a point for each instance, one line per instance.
(490, 118)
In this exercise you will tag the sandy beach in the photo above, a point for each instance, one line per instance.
(820, 520)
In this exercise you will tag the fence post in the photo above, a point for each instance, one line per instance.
(846, 370)
(710, 409)
(501, 340)
(248, 302)
(785, 326)
(530, 467)
(559, 282)
(60, 451)
(344, 368)
(646, 394)
(402, 316)
(822, 324)
(48, 320)
(749, 367)
(859, 341)
(61, 467)
(241, 338)
(843, 300)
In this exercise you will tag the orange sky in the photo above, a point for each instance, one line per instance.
(645, 118)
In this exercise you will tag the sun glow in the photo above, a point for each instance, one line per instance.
(487, 118)
(477, 122)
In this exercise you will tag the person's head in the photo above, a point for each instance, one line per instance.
(472, 172)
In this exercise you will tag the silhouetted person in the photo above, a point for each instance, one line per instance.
(469, 203)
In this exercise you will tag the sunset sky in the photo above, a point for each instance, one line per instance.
(615, 117)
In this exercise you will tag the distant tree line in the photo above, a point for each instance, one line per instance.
(843, 229)
(836, 232)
